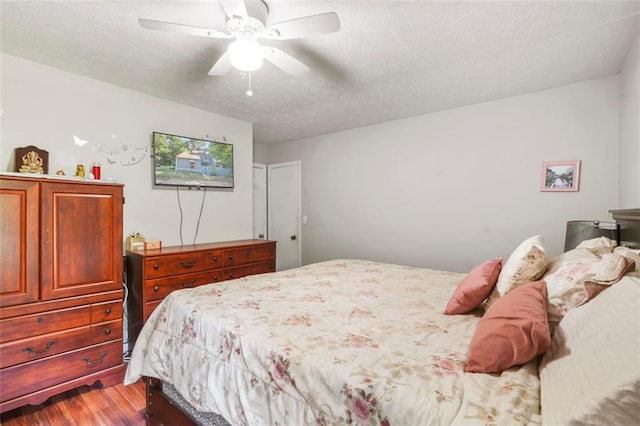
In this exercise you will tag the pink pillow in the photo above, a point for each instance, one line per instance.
(513, 331)
(474, 288)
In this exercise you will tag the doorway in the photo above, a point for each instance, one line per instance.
(283, 212)
(259, 201)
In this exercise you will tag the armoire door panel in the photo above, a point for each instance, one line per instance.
(19, 250)
(76, 235)
(78, 243)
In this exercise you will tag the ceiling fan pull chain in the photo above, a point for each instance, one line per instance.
(249, 92)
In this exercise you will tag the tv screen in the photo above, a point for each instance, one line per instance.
(190, 162)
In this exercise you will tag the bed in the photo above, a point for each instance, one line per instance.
(359, 342)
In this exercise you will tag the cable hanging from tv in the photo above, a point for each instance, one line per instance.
(204, 194)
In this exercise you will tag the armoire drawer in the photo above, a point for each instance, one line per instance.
(254, 268)
(182, 263)
(44, 322)
(107, 311)
(160, 288)
(34, 348)
(33, 376)
(241, 256)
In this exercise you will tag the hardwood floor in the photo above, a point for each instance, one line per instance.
(115, 405)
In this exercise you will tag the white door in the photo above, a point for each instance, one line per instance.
(259, 201)
(283, 217)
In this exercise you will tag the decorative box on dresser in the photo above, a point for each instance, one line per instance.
(60, 286)
(153, 274)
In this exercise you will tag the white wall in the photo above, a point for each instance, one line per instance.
(450, 189)
(260, 153)
(44, 106)
(629, 185)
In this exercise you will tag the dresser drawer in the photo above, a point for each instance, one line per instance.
(25, 350)
(43, 323)
(149, 307)
(164, 266)
(33, 376)
(241, 256)
(160, 288)
(255, 268)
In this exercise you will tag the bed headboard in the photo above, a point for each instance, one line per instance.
(629, 222)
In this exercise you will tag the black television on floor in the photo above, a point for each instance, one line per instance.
(182, 161)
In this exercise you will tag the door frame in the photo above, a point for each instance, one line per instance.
(266, 203)
(298, 164)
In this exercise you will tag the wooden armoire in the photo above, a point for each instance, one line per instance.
(61, 290)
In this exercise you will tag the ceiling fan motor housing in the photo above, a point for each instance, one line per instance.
(254, 23)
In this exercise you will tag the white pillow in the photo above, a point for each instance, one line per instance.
(591, 372)
(527, 263)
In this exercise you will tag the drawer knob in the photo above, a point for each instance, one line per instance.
(40, 320)
(230, 257)
(215, 258)
(97, 361)
(187, 264)
(271, 267)
(39, 351)
(215, 278)
(107, 311)
(230, 276)
(107, 331)
(156, 288)
(270, 251)
(156, 266)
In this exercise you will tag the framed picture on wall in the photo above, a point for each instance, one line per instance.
(559, 176)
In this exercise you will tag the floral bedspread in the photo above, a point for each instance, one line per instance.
(337, 342)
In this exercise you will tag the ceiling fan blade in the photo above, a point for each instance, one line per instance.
(286, 62)
(222, 66)
(304, 27)
(181, 29)
(234, 8)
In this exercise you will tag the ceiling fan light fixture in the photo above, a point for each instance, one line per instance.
(246, 55)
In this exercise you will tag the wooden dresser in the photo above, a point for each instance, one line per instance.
(153, 274)
(60, 287)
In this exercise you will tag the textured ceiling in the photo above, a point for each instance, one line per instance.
(391, 59)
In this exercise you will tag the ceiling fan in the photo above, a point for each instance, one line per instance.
(246, 23)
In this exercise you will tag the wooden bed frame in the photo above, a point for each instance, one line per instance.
(162, 411)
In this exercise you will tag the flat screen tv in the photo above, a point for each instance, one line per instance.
(190, 162)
